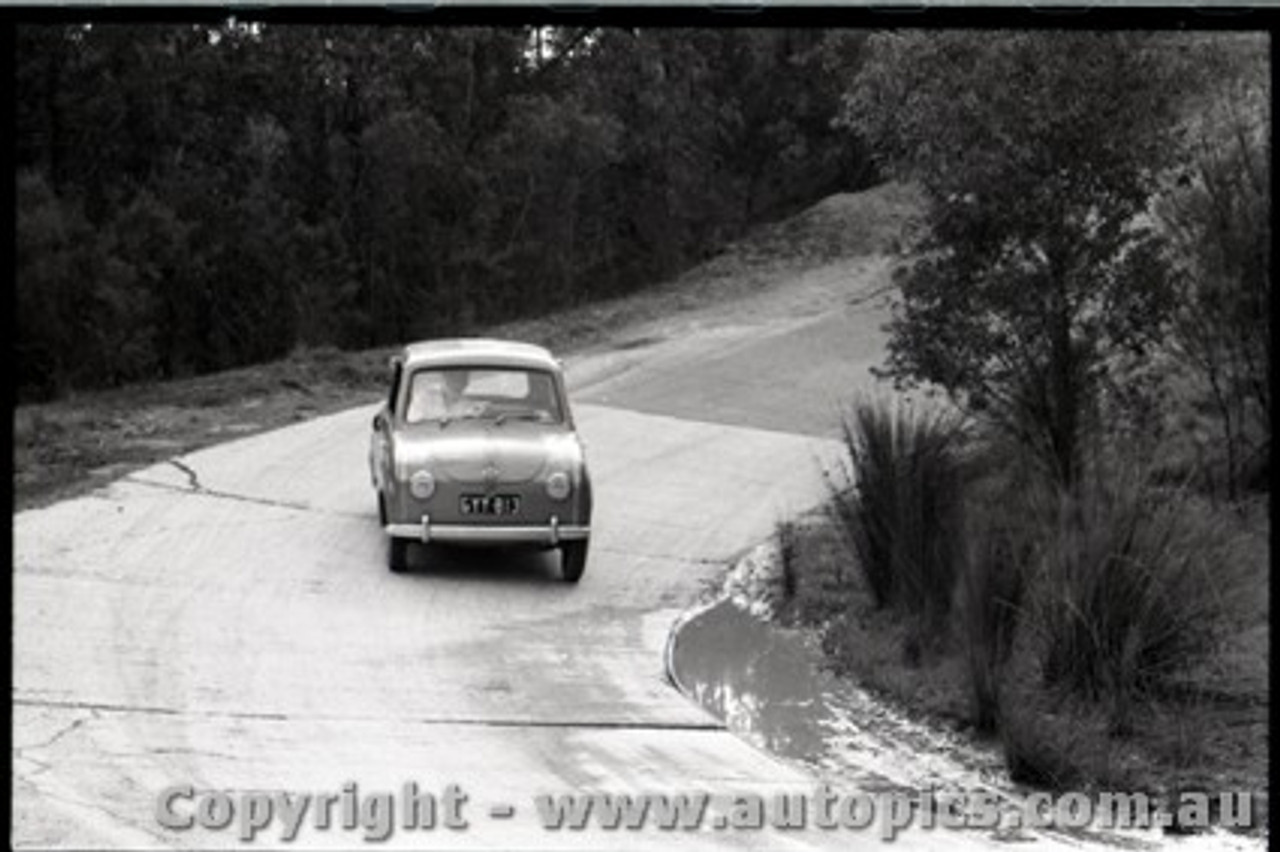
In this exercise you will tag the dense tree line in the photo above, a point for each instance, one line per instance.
(191, 198)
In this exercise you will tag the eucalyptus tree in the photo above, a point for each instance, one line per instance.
(1039, 154)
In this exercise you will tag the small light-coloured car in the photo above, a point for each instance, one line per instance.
(476, 445)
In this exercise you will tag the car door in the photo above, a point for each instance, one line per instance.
(380, 440)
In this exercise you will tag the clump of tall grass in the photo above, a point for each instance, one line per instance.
(901, 507)
(1131, 585)
(1053, 604)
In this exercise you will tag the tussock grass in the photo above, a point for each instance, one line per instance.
(1089, 630)
(900, 507)
(1131, 587)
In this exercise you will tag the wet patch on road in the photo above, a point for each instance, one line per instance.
(764, 684)
(768, 685)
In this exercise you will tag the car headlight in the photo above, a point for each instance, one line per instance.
(422, 485)
(558, 485)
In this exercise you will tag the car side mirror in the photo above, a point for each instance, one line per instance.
(378, 422)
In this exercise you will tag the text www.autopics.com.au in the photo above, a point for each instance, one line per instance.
(377, 815)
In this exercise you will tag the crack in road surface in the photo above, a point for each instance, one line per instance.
(192, 477)
(23, 752)
(462, 721)
(196, 489)
(74, 725)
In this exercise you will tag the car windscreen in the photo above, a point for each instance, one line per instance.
(499, 393)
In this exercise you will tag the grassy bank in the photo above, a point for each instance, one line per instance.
(1110, 638)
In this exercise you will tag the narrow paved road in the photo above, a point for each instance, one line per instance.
(226, 620)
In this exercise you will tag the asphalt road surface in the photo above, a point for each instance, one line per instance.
(227, 620)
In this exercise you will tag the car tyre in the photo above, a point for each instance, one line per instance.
(573, 560)
(398, 555)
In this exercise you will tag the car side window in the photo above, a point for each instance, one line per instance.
(542, 397)
(396, 371)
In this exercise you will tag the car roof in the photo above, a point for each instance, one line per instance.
(478, 351)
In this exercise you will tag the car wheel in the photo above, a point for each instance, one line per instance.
(573, 560)
(398, 555)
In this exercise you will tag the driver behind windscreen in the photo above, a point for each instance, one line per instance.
(454, 392)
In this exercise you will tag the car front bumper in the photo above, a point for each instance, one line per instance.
(549, 535)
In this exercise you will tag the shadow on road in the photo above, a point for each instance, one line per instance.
(484, 565)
